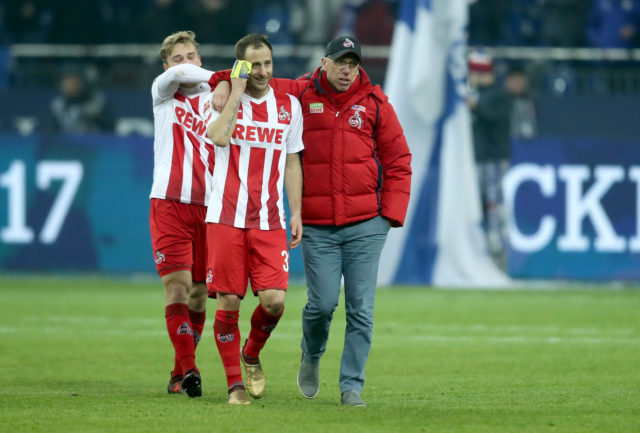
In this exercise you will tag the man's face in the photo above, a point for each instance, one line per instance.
(261, 61)
(517, 84)
(341, 72)
(72, 86)
(183, 53)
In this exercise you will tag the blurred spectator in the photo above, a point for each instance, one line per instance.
(523, 116)
(26, 21)
(487, 22)
(161, 18)
(524, 19)
(317, 21)
(564, 22)
(614, 24)
(120, 19)
(273, 19)
(79, 108)
(489, 104)
(218, 21)
(371, 21)
(77, 22)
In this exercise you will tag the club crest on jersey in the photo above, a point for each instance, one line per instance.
(355, 120)
(348, 43)
(159, 258)
(209, 276)
(316, 107)
(284, 114)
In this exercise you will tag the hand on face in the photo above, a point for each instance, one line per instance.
(183, 53)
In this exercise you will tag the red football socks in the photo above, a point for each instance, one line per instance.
(262, 323)
(197, 323)
(197, 319)
(181, 335)
(227, 334)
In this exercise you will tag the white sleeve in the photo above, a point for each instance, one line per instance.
(294, 137)
(206, 108)
(167, 83)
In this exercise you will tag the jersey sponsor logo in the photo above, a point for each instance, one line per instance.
(159, 258)
(355, 120)
(191, 122)
(258, 134)
(348, 43)
(359, 108)
(316, 107)
(185, 329)
(284, 114)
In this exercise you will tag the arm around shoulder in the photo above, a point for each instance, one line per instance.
(169, 81)
(293, 185)
(221, 129)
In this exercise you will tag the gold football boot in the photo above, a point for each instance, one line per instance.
(256, 382)
(238, 396)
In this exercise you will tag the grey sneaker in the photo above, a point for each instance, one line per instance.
(352, 398)
(309, 378)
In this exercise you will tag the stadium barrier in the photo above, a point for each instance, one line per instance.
(574, 207)
(81, 203)
(78, 203)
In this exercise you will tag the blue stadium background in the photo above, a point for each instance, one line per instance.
(586, 83)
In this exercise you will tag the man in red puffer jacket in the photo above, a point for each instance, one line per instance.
(357, 178)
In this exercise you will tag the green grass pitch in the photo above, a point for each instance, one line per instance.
(89, 354)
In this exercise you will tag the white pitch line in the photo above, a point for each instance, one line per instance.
(380, 327)
(388, 339)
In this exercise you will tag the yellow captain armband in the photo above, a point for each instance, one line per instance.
(241, 69)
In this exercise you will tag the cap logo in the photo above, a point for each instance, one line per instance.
(348, 43)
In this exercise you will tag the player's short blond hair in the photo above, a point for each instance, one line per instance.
(183, 37)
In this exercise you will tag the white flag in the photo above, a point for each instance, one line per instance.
(442, 243)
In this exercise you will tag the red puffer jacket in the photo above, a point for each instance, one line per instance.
(356, 161)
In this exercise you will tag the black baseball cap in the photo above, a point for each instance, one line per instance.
(342, 45)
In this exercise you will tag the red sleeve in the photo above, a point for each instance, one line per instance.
(216, 77)
(292, 87)
(285, 85)
(395, 157)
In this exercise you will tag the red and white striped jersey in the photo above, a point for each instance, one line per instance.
(248, 176)
(183, 153)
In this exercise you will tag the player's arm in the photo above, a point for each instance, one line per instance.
(220, 81)
(293, 185)
(169, 81)
(221, 129)
(221, 95)
(292, 87)
(293, 173)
